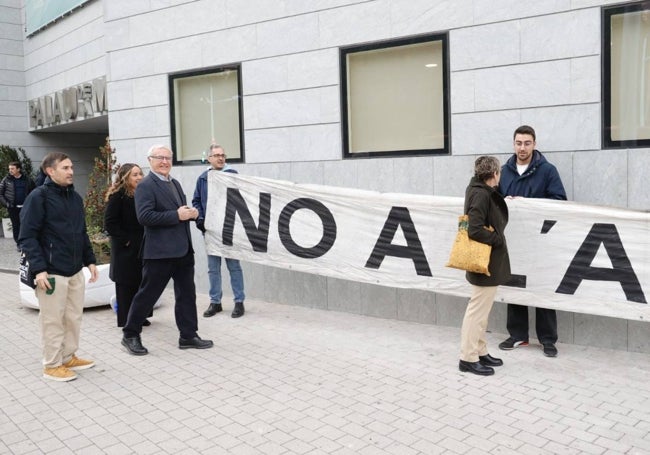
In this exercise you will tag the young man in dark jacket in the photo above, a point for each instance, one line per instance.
(14, 189)
(528, 174)
(53, 236)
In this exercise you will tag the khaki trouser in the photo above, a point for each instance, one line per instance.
(472, 333)
(60, 318)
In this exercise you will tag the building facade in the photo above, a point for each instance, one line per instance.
(386, 95)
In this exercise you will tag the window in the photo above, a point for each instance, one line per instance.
(395, 97)
(40, 14)
(626, 76)
(205, 107)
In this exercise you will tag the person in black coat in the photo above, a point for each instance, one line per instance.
(486, 209)
(14, 189)
(121, 223)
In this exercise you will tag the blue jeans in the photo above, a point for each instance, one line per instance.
(236, 278)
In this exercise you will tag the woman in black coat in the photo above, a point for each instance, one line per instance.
(485, 208)
(126, 238)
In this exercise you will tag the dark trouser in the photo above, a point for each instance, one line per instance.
(156, 273)
(14, 216)
(124, 293)
(545, 324)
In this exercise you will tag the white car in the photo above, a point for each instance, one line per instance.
(98, 293)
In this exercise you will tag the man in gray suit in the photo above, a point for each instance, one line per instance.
(167, 253)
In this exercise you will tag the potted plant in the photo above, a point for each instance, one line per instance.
(95, 201)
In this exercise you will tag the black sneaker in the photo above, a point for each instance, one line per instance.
(550, 350)
(511, 343)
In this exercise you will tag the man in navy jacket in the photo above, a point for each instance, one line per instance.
(167, 253)
(54, 238)
(528, 174)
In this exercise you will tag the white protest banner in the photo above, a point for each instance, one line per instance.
(564, 255)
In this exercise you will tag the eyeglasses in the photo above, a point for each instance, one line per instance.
(218, 155)
(161, 157)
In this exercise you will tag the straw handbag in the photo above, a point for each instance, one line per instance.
(468, 254)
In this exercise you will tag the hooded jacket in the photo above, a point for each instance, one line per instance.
(53, 232)
(540, 180)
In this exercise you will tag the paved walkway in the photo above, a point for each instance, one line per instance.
(8, 255)
(291, 380)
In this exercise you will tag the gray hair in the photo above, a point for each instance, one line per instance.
(158, 146)
(485, 167)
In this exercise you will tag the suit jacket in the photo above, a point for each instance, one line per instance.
(126, 234)
(165, 236)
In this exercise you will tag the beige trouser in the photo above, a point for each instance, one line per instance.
(472, 334)
(60, 318)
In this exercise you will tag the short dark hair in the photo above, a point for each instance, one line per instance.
(16, 164)
(53, 158)
(525, 129)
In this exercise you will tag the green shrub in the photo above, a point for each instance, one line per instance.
(99, 181)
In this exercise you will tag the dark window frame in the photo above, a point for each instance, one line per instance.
(606, 86)
(393, 43)
(172, 108)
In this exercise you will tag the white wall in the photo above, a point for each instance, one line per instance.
(512, 62)
(67, 53)
(12, 76)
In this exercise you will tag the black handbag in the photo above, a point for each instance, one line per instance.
(26, 275)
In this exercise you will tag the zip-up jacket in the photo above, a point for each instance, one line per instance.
(540, 180)
(200, 198)
(53, 232)
(8, 192)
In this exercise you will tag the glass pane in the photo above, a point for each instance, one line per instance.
(396, 99)
(630, 76)
(206, 111)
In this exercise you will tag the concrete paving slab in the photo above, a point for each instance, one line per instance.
(293, 380)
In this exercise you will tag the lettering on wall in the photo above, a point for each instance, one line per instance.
(79, 102)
